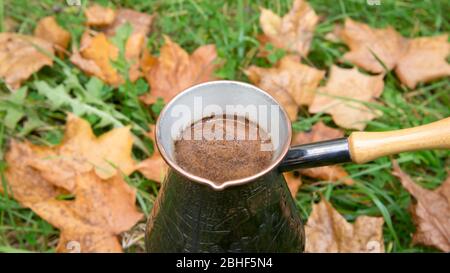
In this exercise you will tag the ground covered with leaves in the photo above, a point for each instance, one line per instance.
(82, 86)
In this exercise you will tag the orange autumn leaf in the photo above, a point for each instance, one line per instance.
(294, 182)
(80, 151)
(276, 89)
(367, 44)
(133, 50)
(293, 32)
(290, 82)
(82, 165)
(344, 95)
(321, 132)
(97, 15)
(96, 53)
(327, 231)
(102, 52)
(175, 70)
(49, 30)
(95, 56)
(431, 211)
(21, 56)
(424, 60)
(139, 21)
(415, 60)
(154, 167)
(25, 183)
(101, 210)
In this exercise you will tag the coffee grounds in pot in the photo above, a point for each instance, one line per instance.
(223, 148)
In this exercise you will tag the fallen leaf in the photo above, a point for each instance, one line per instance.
(334, 35)
(175, 70)
(293, 32)
(25, 183)
(415, 60)
(133, 50)
(141, 24)
(80, 151)
(276, 87)
(49, 30)
(103, 205)
(101, 210)
(96, 53)
(327, 231)
(97, 15)
(431, 212)
(95, 56)
(298, 80)
(321, 132)
(367, 44)
(147, 62)
(343, 95)
(88, 66)
(424, 60)
(154, 167)
(294, 182)
(88, 241)
(21, 56)
(139, 21)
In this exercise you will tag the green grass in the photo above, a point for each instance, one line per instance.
(192, 23)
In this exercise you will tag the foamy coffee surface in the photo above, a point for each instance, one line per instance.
(223, 148)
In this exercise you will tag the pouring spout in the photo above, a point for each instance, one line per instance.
(316, 154)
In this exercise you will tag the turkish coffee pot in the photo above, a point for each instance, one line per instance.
(255, 213)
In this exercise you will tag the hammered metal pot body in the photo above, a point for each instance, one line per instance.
(251, 214)
(259, 216)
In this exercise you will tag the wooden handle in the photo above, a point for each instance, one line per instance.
(367, 146)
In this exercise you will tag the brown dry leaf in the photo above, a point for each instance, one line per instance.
(294, 182)
(25, 183)
(79, 152)
(21, 56)
(327, 231)
(49, 30)
(97, 15)
(96, 53)
(415, 60)
(133, 50)
(140, 22)
(365, 43)
(321, 132)
(334, 35)
(293, 32)
(276, 87)
(175, 70)
(431, 213)
(88, 66)
(424, 60)
(102, 52)
(104, 204)
(154, 167)
(343, 95)
(298, 80)
(101, 210)
(95, 56)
